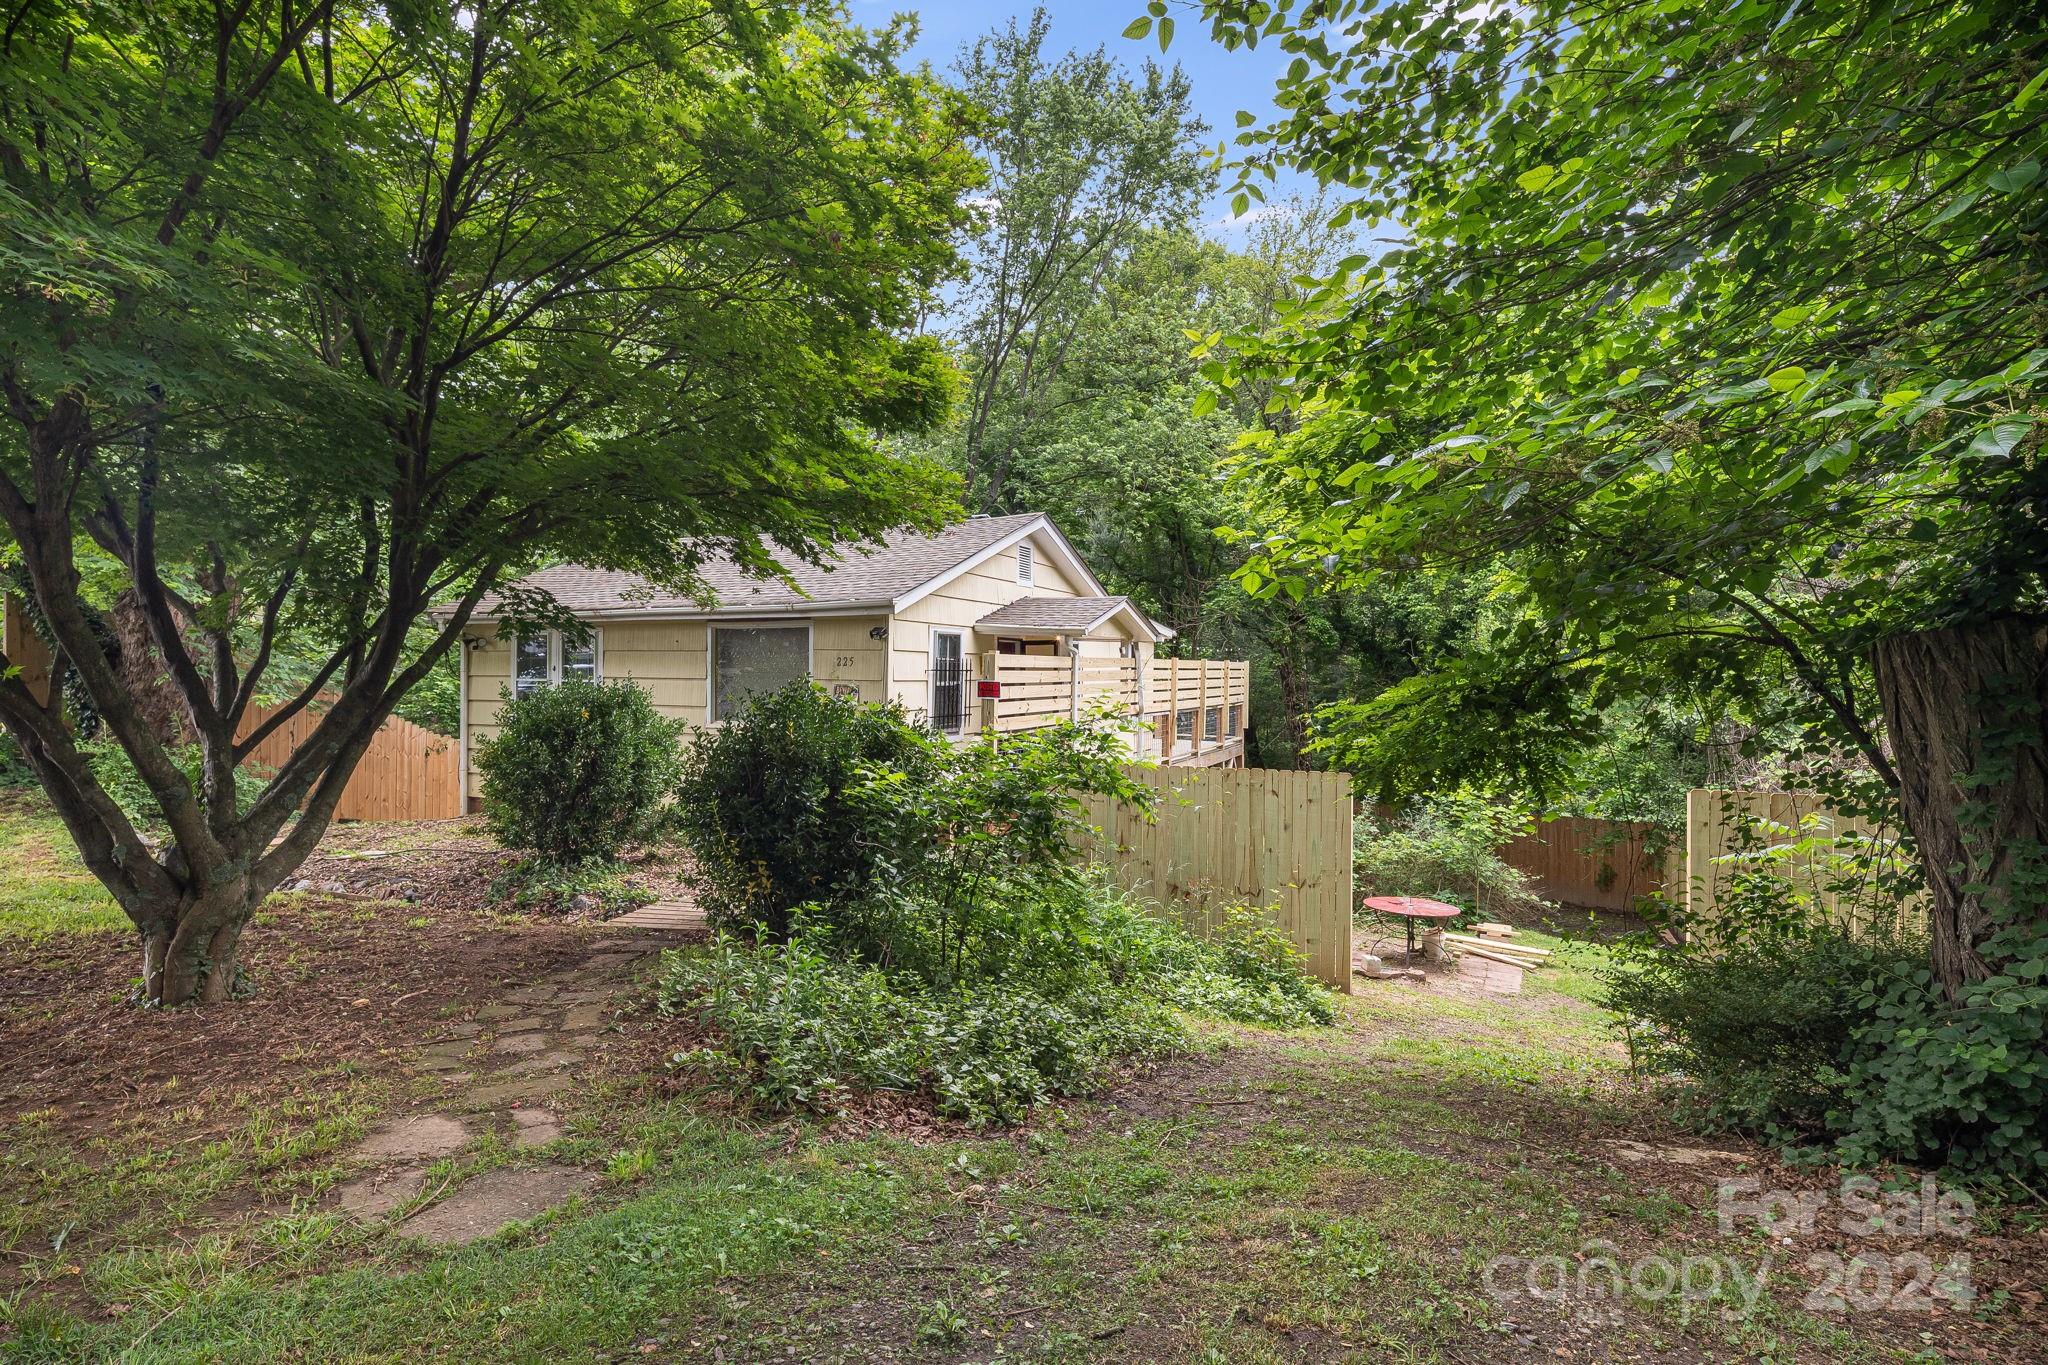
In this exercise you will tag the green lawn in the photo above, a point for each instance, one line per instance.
(1329, 1194)
(47, 889)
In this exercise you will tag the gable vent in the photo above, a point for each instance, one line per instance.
(1024, 563)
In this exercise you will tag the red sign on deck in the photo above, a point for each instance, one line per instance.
(987, 688)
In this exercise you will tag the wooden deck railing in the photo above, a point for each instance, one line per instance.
(1190, 709)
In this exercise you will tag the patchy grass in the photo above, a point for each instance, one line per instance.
(48, 891)
(1336, 1194)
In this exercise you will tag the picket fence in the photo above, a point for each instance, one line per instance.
(1274, 839)
(407, 773)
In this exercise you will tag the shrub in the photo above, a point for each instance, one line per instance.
(580, 770)
(762, 802)
(1759, 1028)
(800, 1026)
(976, 848)
(1790, 1027)
(1446, 849)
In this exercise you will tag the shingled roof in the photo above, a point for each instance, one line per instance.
(1062, 615)
(860, 577)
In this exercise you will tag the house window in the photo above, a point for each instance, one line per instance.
(1024, 564)
(749, 660)
(1236, 718)
(1212, 723)
(1184, 724)
(539, 660)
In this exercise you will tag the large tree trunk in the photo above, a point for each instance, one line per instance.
(1966, 708)
(191, 952)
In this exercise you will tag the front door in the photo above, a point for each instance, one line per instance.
(949, 681)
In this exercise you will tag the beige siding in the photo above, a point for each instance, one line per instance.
(958, 605)
(670, 660)
(665, 657)
(847, 659)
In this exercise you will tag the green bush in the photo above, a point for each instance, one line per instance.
(953, 946)
(976, 845)
(1803, 1034)
(1759, 1028)
(1446, 849)
(580, 770)
(762, 802)
(799, 1025)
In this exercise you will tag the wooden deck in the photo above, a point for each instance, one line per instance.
(1189, 712)
(663, 916)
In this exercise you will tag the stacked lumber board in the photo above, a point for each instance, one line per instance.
(1495, 949)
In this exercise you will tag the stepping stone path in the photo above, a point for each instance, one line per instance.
(496, 1199)
(499, 1065)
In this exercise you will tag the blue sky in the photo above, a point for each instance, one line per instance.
(1223, 82)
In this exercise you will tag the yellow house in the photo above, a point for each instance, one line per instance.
(993, 623)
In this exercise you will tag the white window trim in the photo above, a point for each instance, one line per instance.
(711, 656)
(554, 639)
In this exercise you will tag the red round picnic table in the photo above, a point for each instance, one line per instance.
(1411, 909)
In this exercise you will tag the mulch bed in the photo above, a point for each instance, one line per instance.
(449, 865)
(337, 981)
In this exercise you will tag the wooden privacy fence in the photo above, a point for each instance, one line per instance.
(1604, 864)
(407, 773)
(1278, 840)
(1830, 859)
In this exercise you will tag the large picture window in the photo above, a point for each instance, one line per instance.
(538, 660)
(749, 660)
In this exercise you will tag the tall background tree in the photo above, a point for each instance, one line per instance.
(1083, 159)
(1721, 333)
(318, 313)
(1091, 279)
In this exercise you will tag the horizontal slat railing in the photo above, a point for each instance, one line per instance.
(1038, 690)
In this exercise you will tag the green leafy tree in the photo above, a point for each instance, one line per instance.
(1083, 159)
(318, 313)
(1724, 325)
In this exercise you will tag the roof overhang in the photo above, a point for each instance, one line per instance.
(1143, 626)
(798, 611)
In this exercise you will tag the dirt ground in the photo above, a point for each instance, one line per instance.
(337, 981)
(450, 865)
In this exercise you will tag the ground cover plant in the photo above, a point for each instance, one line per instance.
(1818, 1025)
(949, 945)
